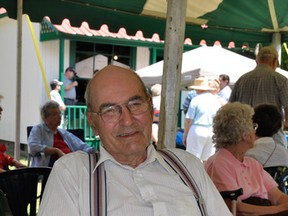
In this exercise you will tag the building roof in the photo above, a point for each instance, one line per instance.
(54, 31)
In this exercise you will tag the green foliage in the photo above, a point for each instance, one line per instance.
(284, 57)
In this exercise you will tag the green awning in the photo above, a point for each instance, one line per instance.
(224, 20)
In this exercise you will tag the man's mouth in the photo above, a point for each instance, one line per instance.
(127, 134)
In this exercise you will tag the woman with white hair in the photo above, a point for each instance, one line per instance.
(230, 169)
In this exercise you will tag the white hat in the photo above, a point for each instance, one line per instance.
(200, 84)
(56, 82)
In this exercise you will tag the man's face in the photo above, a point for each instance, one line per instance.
(69, 74)
(54, 118)
(130, 134)
(223, 83)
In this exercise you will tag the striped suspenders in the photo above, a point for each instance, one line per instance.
(97, 187)
(97, 183)
(176, 164)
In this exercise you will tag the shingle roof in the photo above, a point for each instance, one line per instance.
(85, 30)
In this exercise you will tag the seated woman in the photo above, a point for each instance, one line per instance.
(265, 150)
(230, 169)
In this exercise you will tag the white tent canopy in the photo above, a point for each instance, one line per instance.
(209, 62)
(204, 61)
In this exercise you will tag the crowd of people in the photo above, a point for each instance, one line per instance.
(230, 135)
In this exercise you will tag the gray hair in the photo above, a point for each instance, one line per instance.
(267, 53)
(47, 107)
(230, 122)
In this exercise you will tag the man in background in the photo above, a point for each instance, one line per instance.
(225, 90)
(69, 86)
(264, 85)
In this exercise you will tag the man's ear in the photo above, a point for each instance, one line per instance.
(90, 117)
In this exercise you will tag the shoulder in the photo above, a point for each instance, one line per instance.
(280, 76)
(77, 160)
(39, 127)
(252, 163)
(189, 160)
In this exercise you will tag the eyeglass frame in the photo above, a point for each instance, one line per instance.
(119, 108)
(255, 126)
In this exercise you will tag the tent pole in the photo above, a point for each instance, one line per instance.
(276, 41)
(173, 50)
(18, 77)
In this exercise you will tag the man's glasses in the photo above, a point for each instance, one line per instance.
(112, 113)
(255, 126)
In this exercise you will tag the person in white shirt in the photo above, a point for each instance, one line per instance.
(138, 180)
(225, 90)
(54, 94)
(265, 150)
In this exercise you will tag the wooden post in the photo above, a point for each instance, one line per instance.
(19, 80)
(174, 40)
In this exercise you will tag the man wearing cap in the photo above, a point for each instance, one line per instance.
(264, 85)
(198, 123)
(54, 94)
(69, 86)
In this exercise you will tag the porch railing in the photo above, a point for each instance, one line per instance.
(75, 118)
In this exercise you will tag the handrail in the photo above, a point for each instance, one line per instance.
(75, 118)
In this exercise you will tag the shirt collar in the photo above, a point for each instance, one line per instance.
(152, 156)
(231, 157)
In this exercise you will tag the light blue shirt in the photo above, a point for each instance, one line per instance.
(71, 94)
(41, 137)
(225, 93)
(188, 99)
(203, 108)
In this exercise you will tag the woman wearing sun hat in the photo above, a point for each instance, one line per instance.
(198, 123)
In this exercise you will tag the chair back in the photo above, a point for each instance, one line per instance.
(24, 187)
(28, 130)
(78, 132)
(280, 175)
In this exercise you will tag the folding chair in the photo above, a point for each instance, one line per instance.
(232, 196)
(24, 187)
(78, 132)
(280, 175)
(28, 130)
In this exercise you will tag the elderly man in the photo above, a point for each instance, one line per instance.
(136, 179)
(50, 141)
(264, 85)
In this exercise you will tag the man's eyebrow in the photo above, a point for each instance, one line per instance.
(104, 105)
(136, 97)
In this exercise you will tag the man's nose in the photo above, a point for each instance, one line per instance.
(126, 116)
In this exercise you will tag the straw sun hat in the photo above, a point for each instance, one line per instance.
(201, 84)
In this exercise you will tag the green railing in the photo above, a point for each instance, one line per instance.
(75, 118)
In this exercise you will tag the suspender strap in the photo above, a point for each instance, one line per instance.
(175, 163)
(97, 183)
(97, 186)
